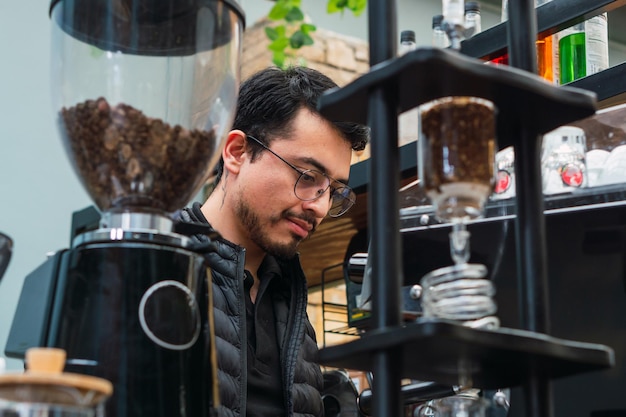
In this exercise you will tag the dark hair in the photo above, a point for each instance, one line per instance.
(269, 100)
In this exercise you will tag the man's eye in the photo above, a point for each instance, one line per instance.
(308, 178)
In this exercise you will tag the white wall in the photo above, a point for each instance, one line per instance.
(38, 189)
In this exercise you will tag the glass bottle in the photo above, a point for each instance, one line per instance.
(473, 19)
(563, 160)
(545, 58)
(407, 42)
(454, 17)
(546, 54)
(597, 43)
(439, 38)
(454, 11)
(504, 16)
(503, 59)
(572, 53)
(456, 165)
(546, 50)
(408, 121)
(584, 49)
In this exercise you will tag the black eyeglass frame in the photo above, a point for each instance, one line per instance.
(347, 195)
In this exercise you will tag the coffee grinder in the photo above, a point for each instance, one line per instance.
(144, 92)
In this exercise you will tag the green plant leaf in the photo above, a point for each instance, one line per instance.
(300, 39)
(278, 58)
(279, 44)
(307, 28)
(271, 33)
(289, 12)
(281, 30)
(334, 6)
(294, 15)
(296, 40)
(357, 6)
(279, 11)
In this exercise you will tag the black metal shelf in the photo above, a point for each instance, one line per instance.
(450, 353)
(609, 85)
(447, 73)
(429, 73)
(417, 78)
(527, 107)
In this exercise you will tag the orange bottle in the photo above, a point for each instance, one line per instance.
(545, 50)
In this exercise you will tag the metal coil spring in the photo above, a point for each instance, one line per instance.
(462, 293)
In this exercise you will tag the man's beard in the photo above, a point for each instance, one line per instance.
(250, 220)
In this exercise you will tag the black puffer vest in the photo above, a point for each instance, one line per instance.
(302, 377)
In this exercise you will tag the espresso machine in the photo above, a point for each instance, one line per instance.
(145, 92)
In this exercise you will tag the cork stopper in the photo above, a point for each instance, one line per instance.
(45, 382)
(45, 360)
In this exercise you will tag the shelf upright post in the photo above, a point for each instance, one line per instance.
(383, 209)
(530, 223)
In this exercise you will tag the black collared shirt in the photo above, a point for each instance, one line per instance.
(265, 392)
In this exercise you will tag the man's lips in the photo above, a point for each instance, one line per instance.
(300, 227)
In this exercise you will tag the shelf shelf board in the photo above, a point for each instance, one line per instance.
(344, 331)
(607, 84)
(434, 350)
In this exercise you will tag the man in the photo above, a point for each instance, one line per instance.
(283, 169)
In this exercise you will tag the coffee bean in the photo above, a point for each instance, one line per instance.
(127, 160)
(459, 137)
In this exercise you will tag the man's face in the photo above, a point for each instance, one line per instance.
(270, 215)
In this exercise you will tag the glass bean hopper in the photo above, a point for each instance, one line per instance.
(145, 91)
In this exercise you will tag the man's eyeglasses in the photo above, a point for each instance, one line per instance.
(312, 184)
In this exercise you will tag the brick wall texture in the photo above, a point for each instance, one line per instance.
(342, 58)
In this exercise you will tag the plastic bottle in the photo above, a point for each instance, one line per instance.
(439, 37)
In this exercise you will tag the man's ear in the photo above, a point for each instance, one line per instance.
(234, 152)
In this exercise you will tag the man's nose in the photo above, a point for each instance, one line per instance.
(319, 206)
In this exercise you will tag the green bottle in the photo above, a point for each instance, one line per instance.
(572, 54)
